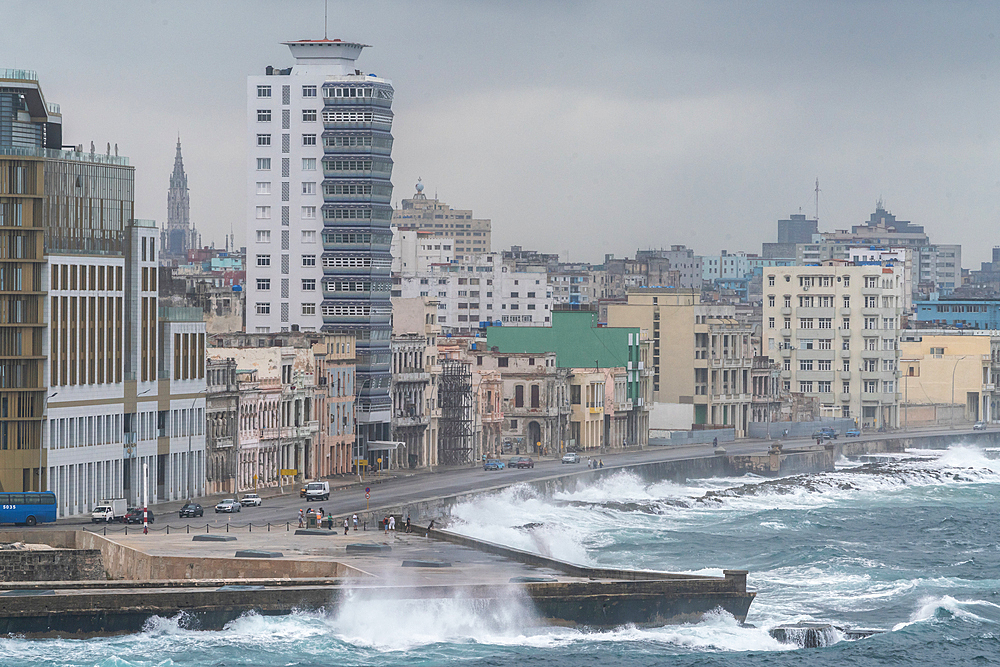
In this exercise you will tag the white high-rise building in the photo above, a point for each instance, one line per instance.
(285, 193)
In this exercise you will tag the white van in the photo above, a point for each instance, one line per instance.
(318, 491)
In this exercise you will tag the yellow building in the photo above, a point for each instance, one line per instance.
(701, 357)
(945, 377)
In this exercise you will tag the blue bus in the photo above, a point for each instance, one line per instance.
(27, 508)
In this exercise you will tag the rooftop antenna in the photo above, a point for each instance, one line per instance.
(326, 12)
(817, 198)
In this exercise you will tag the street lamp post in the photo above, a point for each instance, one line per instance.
(40, 448)
(190, 464)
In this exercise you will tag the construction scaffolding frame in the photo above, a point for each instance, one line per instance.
(456, 424)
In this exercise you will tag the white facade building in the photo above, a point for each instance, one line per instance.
(479, 289)
(284, 198)
(834, 331)
(415, 251)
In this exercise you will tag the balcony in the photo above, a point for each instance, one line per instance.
(844, 397)
(786, 333)
(845, 375)
(413, 421)
(845, 354)
(411, 375)
(221, 443)
(989, 387)
(786, 310)
(786, 353)
(846, 312)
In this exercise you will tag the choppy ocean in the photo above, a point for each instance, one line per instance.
(909, 544)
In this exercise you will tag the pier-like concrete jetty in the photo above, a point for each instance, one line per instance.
(167, 575)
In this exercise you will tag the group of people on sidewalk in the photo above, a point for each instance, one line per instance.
(327, 521)
(595, 463)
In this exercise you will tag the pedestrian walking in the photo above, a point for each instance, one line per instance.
(715, 442)
(301, 517)
(602, 462)
(385, 523)
(345, 524)
(355, 519)
(430, 527)
(392, 525)
(407, 523)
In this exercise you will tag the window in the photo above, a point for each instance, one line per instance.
(263, 164)
(826, 323)
(308, 284)
(263, 187)
(263, 115)
(871, 302)
(263, 212)
(308, 164)
(308, 260)
(846, 387)
(824, 386)
(770, 281)
(308, 139)
(308, 236)
(263, 260)
(846, 345)
(263, 284)
(845, 323)
(263, 91)
(805, 386)
(871, 386)
(309, 116)
(770, 323)
(263, 139)
(309, 188)
(888, 386)
(502, 362)
(263, 236)
(519, 396)
(871, 323)
(805, 323)
(805, 344)
(535, 399)
(847, 301)
(847, 366)
(825, 344)
(805, 364)
(309, 213)
(937, 352)
(309, 309)
(264, 308)
(871, 343)
(770, 300)
(788, 301)
(308, 91)
(824, 365)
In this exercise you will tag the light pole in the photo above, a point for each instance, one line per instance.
(190, 465)
(135, 449)
(955, 368)
(40, 448)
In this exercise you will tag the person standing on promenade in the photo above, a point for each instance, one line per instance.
(345, 524)
(355, 519)
(301, 517)
(392, 524)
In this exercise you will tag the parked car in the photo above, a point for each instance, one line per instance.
(979, 426)
(227, 505)
(852, 433)
(521, 462)
(135, 515)
(826, 433)
(191, 510)
(572, 457)
(493, 464)
(250, 500)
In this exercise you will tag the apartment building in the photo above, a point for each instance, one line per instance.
(334, 406)
(702, 355)
(416, 376)
(834, 331)
(458, 227)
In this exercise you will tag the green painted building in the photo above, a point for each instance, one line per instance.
(578, 343)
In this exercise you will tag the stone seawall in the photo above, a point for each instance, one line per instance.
(51, 565)
(792, 461)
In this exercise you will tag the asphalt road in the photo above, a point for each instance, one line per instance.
(406, 488)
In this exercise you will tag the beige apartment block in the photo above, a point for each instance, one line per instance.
(416, 376)
(834, 330)
(946, 377)
(469, 235)
(702, 357)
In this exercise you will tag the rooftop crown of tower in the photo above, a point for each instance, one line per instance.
(324, 56)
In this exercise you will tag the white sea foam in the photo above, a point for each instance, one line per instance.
(945, 606)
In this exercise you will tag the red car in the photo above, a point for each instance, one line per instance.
(521, 462)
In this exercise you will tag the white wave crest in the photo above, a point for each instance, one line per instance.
(945, 606)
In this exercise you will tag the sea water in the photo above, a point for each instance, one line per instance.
(908, 544)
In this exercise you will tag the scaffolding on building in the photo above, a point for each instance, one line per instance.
(456, 425)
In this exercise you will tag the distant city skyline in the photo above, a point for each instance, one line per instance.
(685, 124)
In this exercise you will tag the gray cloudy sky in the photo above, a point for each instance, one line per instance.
(587, 127)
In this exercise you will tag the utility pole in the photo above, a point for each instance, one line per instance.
(817, 198)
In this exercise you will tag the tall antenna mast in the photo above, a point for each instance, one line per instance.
(326, 12)
(817, 198)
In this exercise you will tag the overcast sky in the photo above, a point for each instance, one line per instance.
(587, 127)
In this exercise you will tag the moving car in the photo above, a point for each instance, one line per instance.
(572, 457)
(135, 515)
(493, 464)
(826, 433)
(318, 491)
(521, 462)
(227, 505)
(191, 510)
(250, 499)
(852, 433)
(979, 426)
